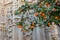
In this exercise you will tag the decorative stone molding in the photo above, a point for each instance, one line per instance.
(54, 31)
(27, 35)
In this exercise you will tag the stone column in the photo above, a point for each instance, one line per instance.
(20, 34)
(36, 33)
(47, 33)
(42, 33)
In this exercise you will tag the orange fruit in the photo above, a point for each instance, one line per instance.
(56, 1)
(47, 4)
(48, 24)
(31, 26)
(20, 26)
(40, 4)
(36, 14)
(54, 9)
(56, 17)
(45, 17)
(42, 14)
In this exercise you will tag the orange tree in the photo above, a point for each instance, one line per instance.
(44, 12)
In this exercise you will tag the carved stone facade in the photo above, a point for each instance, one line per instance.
(8, 20)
